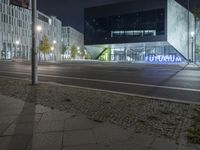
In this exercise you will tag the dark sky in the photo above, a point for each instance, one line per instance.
(70, 12)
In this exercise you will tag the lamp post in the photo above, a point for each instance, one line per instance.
(53, 48)
(188, 52)
(34, 65)
(39, 29)
(192, 35)
(16, 49)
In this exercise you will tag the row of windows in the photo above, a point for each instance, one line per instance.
(14, 12)
(144, 23)
(139, 33)
(43, 18)
(14, 21)
(14, 30)
(12, 39)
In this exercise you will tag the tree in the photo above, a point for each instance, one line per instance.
(88, 56)
(74, 51)
(45, 46)
(64, 49)
(82, 52)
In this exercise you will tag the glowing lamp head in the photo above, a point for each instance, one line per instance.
(39, 28)
(52, 48)
(192, 34)
(17, 42)
(54, 42)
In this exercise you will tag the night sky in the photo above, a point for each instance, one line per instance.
(70, 12)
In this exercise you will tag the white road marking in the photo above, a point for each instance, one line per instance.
(113, 92)
(108, 81)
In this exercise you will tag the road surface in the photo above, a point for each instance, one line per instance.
(174, 82)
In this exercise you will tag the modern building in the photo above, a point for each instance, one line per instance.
(16, 33)
(159, 32)
(71, 36)
(51, 27)
(197, 41)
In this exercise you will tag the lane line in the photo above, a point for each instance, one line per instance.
(107, 81)
(112, 92)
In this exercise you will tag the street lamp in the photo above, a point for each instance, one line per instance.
(52, 48)
(54, 41)
(17, 42)
(192, 35)
(188, 8)
(34, 63)
(38, 28)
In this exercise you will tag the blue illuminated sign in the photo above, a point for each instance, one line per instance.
(163, 58)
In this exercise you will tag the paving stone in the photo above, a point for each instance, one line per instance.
(187, 147)
(135, 142)
(47, 141)
(21, 129)
(42, 148)
(78, 137)
(87, 147)
(14, 142)
(128, 147)
(29, 118)
(11, 111)
(107, 133)
(3, 127)
(8, 118)
(28, 109)
(164, 144)
(56, 115)
(79, 123)
(41, 109)
(50, 126)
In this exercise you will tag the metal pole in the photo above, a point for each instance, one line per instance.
(188, 53)
(192, 49)
(34, 50)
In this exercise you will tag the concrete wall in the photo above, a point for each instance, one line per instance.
(198, 33)
(71, 36)
(177, 28)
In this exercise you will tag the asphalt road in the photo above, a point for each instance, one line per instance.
(175, 82)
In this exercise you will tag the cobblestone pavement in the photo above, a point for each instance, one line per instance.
(73, 119)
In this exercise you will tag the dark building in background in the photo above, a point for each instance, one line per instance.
(157, 31)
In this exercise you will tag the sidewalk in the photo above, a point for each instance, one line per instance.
(25, 126)
(192, 66)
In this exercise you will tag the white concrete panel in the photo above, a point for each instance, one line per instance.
(178, 28)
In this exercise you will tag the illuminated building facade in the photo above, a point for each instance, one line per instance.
(157, 32)
(16, 32)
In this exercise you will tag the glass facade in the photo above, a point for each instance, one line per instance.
(137, 24)
(150, 54)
